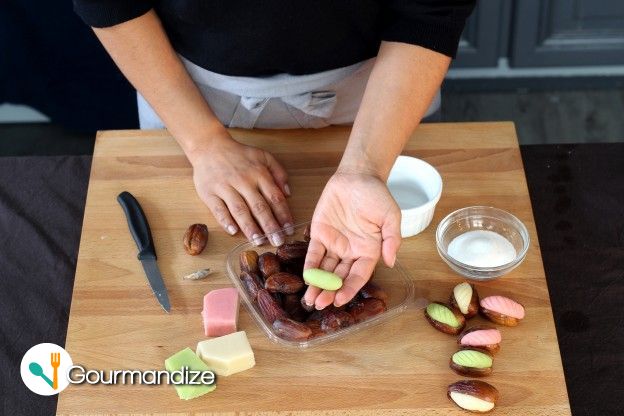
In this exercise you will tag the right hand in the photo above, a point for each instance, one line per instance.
(244, 187)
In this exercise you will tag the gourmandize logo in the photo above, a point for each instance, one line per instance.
(47, 369)
(55, 361)
(44, 369)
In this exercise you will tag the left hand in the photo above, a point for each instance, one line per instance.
(355, 222)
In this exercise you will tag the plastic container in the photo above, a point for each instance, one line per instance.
(482, 218)
(395, 282)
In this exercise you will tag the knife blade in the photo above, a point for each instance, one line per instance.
(142, 235)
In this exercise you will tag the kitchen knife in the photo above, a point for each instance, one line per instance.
(140, 230)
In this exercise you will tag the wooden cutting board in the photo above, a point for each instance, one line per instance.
(400, 367)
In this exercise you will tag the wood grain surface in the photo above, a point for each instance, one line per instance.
(400, 367)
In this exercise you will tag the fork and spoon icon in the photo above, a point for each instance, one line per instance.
(55, 361)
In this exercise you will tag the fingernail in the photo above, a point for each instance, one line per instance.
(288, 228)
(276, 239)
(257, 240)
(393, 261)
(231, 229)
(287, 189)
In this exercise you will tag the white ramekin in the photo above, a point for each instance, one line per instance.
(417, 187)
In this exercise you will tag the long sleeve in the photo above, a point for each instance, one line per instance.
(104, 13)
(261, 38)
(432, 24)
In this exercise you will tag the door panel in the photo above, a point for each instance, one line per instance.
(568, 33)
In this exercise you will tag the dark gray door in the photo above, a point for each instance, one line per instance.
(485, 32)
(567, 33)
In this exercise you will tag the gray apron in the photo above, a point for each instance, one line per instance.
(281, 101)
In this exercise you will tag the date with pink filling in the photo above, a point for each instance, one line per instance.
(502, 310)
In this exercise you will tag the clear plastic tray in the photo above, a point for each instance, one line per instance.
(395, 282)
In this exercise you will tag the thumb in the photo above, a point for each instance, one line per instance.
(391, 238)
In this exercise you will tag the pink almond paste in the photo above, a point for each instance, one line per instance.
(504, 306)
(481, 337)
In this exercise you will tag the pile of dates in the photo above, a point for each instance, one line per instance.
(275, 284)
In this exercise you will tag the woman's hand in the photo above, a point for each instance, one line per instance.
(356, 219)
(243, 186)
(355, 222)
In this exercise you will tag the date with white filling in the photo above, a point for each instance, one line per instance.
(473, 395)
(466, 299)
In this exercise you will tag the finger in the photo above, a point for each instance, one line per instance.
(391, 238)
(278, 173)
(240, 212)
(324, 299)
(327, 297)
(221, 213)
(275, 197)
(360, 272)
(310, 295)
(342, 269)
(329, 262)
(263, 215)
(314, 256)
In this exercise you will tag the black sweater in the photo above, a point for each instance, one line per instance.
(257, 38)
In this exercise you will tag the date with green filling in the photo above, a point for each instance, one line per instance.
(471, 362)
(445, 318)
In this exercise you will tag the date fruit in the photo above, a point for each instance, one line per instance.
(283, 282)
(364, 309)
(315, 326)
(466, 299)
(335, 320)
(195, 239)
(471, 363)
(292, 330)
(291, 252)
(295, 267)
(445, 318)
(269, 308)
(502, 310)
(292, 306)
(372, 290)
(278, 298)
(251, 283)
(268, 264)
(473, 395)
(483, 337)
(249, 261)
(319, 314)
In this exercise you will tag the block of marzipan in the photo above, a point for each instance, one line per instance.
(220, 312)
(186, 358)
(228, 354)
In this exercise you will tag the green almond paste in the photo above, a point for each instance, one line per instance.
(442, 314)
(322, 279)
(187, 358)
(471, 358)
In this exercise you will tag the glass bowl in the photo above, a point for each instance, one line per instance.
(394, 281)
(487, 219)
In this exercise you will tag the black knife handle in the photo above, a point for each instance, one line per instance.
(139, 228)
